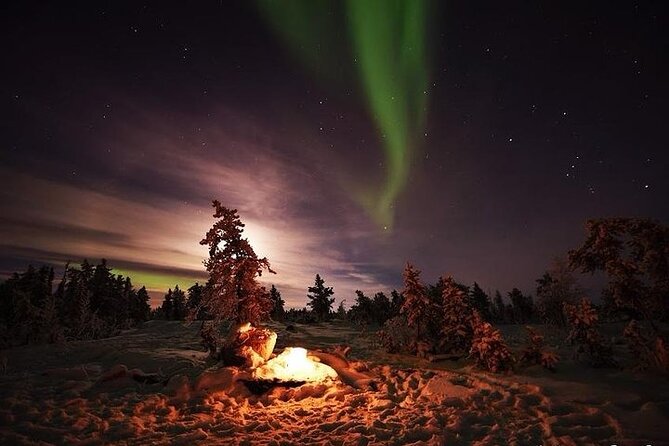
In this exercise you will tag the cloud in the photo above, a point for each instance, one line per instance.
(146, 206)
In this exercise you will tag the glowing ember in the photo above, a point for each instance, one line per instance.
(294, 365)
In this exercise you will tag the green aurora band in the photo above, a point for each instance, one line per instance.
(388, 39)
(160, 281)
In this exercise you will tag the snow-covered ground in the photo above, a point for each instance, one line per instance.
(85, 393)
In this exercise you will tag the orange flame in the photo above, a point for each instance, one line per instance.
(293, 364)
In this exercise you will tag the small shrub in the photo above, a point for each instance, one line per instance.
(300, 316)
(488, 348)
(209, 336)
(535, 351)
(583, 333)
(650, 351)
(396, 336)
(549, 360)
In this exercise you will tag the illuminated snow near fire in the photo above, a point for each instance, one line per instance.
(76, 393)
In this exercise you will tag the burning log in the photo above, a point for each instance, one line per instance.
(296, 366)
(252, 347)
(292, 368)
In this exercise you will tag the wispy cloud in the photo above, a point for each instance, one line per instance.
(149, 217)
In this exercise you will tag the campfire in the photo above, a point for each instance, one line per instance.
(252, 348)
(294, 365)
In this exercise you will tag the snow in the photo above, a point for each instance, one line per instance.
(111, 391)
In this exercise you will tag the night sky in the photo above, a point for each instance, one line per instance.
(477, 149)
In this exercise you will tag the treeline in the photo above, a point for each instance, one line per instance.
(178, 305)
(515, 308)
(89, 302)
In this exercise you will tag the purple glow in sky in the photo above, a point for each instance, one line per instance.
(121, 123)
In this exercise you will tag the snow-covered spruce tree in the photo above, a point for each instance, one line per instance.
(456, 318)
(634, 254)
(233, 291)
(488, 348)
(320, 301)
(583, 334)
(415, 307)
(648, 350)
(557, 286)
(535, 351)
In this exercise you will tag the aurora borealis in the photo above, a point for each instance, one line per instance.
(387, 42)
(480, 136)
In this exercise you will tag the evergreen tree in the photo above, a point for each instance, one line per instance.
(584, 334)
(523, 306)
(102, 289)
(319, 299)
(382, 308)
(48, 328)
(25, 297)
(233, 291)
(77, 301)
(396, 302)
(59, 294)
(555, 288)
(488, 348)
(634, 255)
(179, 310)
(140, 308)
(341, 310)
(362, 312)
(194, 303)
(499, 307)
(480, 301)
(434, 292)
(457, 317)
(122, 295)
(278, 312)
(167, 306)
(88, 303)
(416, 303)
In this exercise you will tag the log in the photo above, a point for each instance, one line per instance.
(444, 357)
(346, 373)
